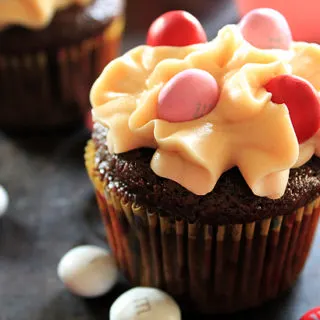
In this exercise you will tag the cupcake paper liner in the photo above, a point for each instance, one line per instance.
(214, 269)
(50, 88)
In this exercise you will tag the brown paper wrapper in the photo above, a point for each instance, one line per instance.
(214, 269)
(52, 88)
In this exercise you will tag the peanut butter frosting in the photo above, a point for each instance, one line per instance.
(245, 129)
(32, 13)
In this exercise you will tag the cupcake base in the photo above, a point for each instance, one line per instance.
(213, 269)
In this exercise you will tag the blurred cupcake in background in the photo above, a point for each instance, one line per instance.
(50, 54)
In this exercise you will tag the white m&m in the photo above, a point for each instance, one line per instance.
(4, 200)
(88, 271)
(266, 29)
(144, 303)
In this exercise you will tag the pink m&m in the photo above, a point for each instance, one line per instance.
(189, 95)
(266, 29)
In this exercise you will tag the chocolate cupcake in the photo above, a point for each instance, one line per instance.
(204, 159)
(50, 54)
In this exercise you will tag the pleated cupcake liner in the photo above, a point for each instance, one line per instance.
(51, 88)
(213, 269)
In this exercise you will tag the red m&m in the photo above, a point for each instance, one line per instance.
(313, 314)
(189, 95)
(266, 29)
(176, 28)
(301, 100)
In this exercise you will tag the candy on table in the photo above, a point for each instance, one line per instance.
(88, 271)
(4, 200)
(313, 314)
(266, 29)
(188, 95)
(176, 28)
(301, 100)
(145, 303)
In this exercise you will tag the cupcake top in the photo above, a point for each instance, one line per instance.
(248, 98)
(32, 13)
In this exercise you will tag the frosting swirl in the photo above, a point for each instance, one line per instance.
(245, 129)
(32, 13)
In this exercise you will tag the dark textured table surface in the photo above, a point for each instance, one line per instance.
(52, 209)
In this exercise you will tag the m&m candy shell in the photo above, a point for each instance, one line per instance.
(301, 100)
(313, 314)
(188, 95)
(88, 271)
(145, 303)
(176, 28)
(4, 200)
(266, 29)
